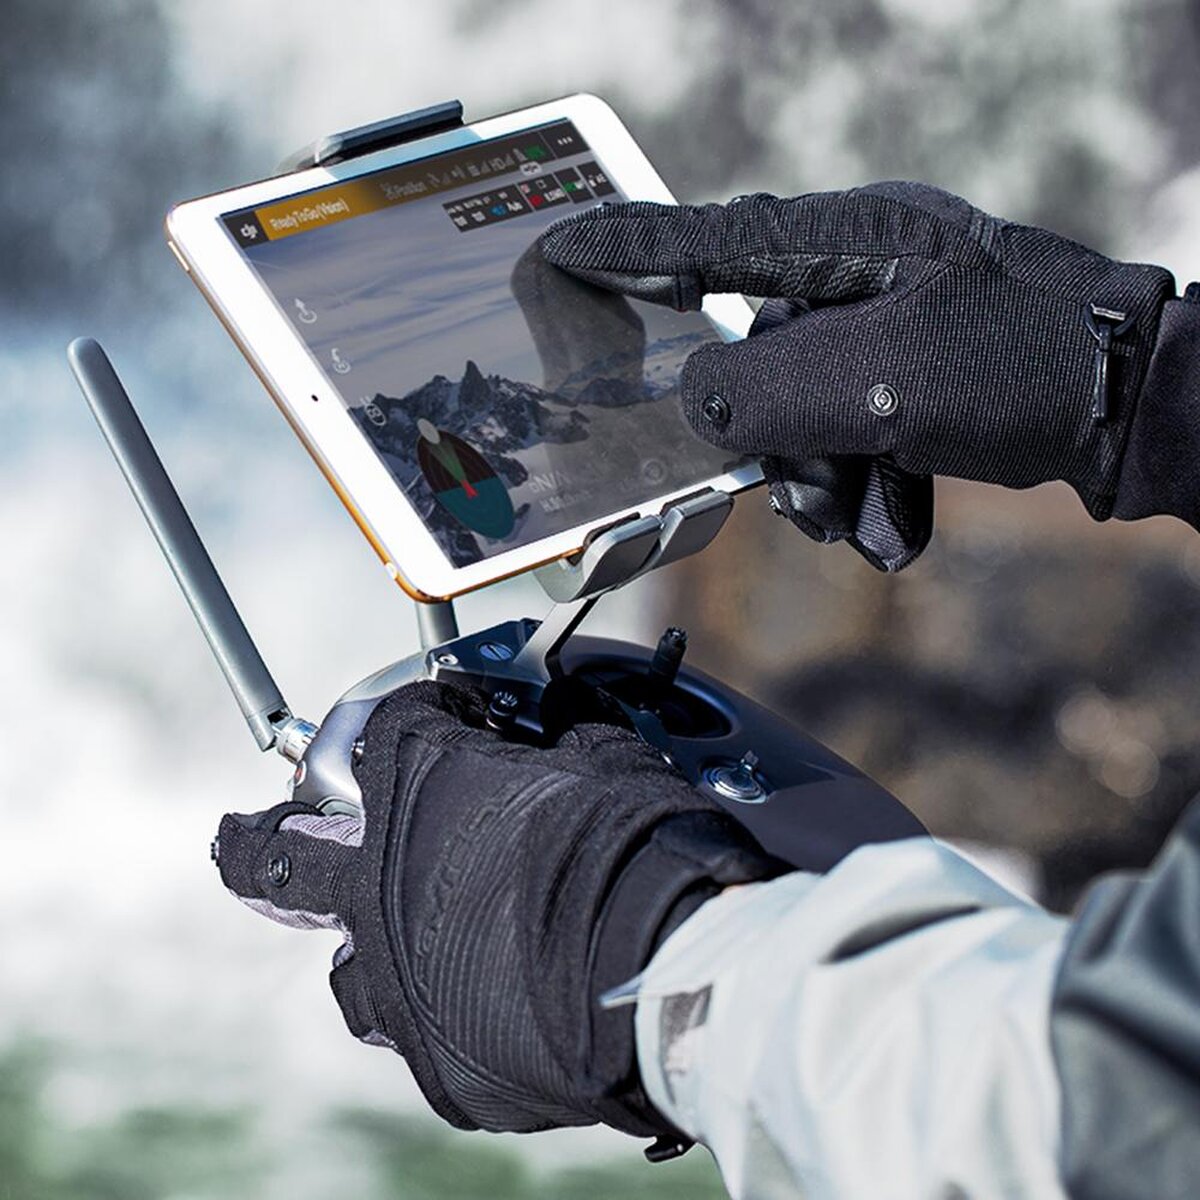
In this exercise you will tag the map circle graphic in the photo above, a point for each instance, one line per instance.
(465, 485)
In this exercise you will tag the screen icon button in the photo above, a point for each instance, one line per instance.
(564, 140)
(544, 192)
(596, 179)
(246, 229)
(573, 185)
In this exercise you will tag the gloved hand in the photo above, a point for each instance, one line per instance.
(492, 893)
(941, 341)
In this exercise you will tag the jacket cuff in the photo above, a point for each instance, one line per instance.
(1161, 468)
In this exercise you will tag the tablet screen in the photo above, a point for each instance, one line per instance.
(509, 401)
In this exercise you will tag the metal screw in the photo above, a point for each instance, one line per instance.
(495, 651)
(883, 400)
(279, 870)
(501, 710)
(716, 410)
(446, 659)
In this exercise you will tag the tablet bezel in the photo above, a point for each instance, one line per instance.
(270, 343)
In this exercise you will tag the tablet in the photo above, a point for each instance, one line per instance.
(478, 411)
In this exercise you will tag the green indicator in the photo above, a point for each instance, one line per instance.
(535, 152)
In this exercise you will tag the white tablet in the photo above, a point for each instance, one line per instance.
(477, 411)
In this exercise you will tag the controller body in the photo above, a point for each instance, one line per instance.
(803, 803)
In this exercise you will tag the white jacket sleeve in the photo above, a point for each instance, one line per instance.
(881, 1032)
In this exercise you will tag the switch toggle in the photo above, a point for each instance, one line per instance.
(737, 781)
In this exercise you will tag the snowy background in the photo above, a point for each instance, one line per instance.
(160, 1040)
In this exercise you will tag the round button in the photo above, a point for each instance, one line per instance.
(716, 410)
(279, 870)
(735, 781)
(883, 400)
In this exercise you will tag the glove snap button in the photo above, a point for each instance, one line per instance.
(279, 870)
(716, 410)
(883, 400)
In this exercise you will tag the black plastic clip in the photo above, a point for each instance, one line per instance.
(1105, 325)
(666, 1147)
(379, 135)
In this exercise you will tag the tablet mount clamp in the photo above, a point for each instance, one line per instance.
(801, 801)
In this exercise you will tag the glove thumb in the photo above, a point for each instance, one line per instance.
(292, 864)
(883, 511)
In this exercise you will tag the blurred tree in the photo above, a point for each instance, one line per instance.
(155, 1153)
(22, 1161)
(145, 1154)
(416, 1159)
(97, 142)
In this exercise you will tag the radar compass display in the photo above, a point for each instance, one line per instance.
(463, 483)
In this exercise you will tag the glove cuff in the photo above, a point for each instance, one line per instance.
(688, 859)
(1159, 474)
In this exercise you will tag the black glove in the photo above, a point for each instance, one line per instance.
(493, 892)
(942, 341)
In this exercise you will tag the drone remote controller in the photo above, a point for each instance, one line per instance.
(801, 801)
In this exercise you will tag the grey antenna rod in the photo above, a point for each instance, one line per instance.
(257, 694)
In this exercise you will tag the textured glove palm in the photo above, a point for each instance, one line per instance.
(492, 892)
(940, 340)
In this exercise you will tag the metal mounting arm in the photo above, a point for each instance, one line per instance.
(612, 559)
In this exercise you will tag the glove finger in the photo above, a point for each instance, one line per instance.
(441, 713)
(820, 496)
(895, 522)
(292, 864)
(883, 511)
(777, 311)
(828, 247)
(575, 327)
(782, 393)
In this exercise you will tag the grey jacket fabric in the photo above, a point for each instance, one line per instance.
(1125, 1029)
(905, 1026)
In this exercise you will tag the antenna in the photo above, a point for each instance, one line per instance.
(257, 694)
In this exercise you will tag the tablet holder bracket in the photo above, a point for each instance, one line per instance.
(379, 135)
